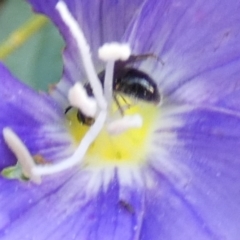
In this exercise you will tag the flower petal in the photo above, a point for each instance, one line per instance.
(198, 42)
(100, 23)
(169, 216)
(18, 198)
(69, 211)
(198, 177)
(98, 19)
(35, 117)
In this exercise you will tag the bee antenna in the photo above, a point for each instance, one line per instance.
(67, 109)
(141, 57)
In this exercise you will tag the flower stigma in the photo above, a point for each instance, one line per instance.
(110, 128)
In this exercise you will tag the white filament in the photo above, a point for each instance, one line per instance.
(78, 98)
(21, 152)
(78, 155)
(127, 122)
(108, 82)
(84, 50)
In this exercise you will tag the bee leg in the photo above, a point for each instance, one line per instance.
(125, 101)
(118, 104)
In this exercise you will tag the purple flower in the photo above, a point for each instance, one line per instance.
(176, 177)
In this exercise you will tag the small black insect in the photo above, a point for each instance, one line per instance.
(129, 81)
(126, 206)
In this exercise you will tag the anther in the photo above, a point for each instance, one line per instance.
(22, 154)
(84, 51)
(78, 97)
(114, 51)
(127, 122)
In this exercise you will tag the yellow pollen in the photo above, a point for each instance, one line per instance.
(127, 148)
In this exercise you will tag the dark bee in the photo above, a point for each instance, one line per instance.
(128, 81)
(131, 81)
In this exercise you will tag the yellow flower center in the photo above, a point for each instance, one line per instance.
(129, 147)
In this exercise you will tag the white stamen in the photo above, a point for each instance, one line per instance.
(84, 52)
(78, 155)
(78, 97)
(111, 52)
(121, 125)
(21, 152)
(114, 51)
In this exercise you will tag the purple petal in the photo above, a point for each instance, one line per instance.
(65, 210)
(19, 198)
(35, 117)
(199, 43)
(100, 23)
(198, 177)
(98, 19)
(170, 216)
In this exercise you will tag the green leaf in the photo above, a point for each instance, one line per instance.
(38, 62)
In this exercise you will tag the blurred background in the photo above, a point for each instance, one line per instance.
(30, 46)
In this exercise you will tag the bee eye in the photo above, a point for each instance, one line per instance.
(84, 119)
(81, 117)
